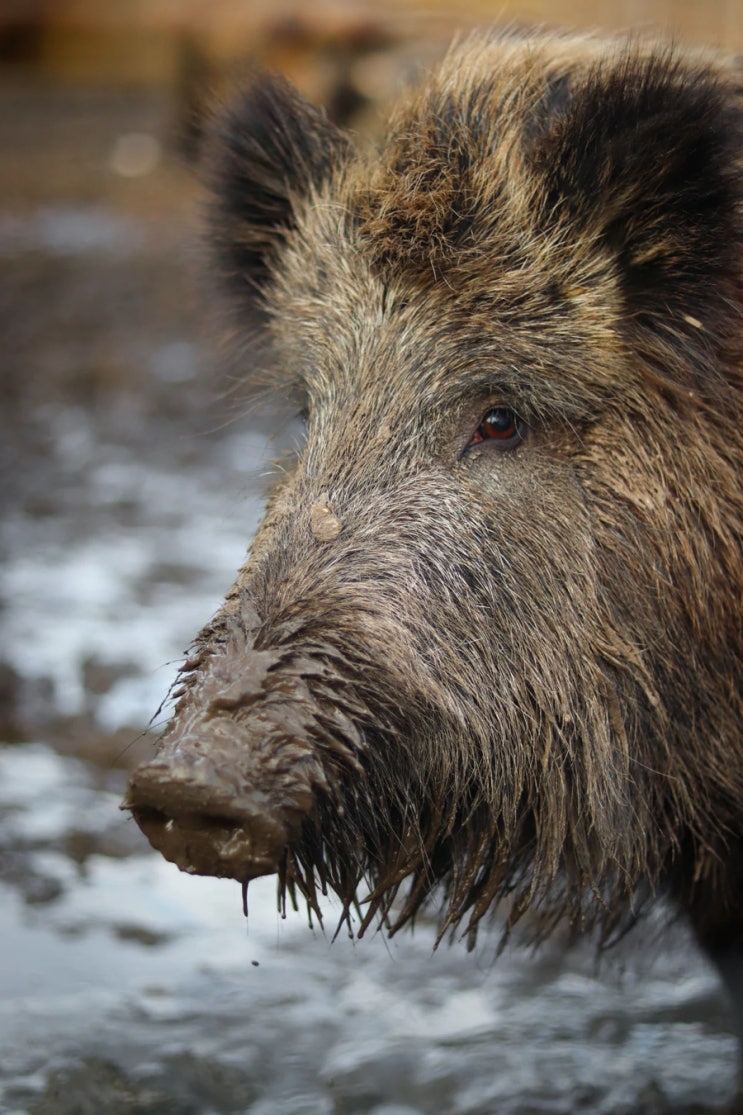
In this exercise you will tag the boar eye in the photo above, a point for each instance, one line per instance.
(501, 426)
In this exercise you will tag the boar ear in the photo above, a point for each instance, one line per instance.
(645, 158)
(269, 148)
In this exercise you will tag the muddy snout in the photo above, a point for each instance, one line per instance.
(202, 822)
(237, 771)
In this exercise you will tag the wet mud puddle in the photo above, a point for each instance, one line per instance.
(127, 987)
(136, 988)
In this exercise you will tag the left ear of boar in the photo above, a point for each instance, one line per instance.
(269, 149)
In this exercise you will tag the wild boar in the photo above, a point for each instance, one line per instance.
(489, 639)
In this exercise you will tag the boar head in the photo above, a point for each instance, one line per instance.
(489, 636)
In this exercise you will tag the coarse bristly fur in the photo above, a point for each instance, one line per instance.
(511, 667)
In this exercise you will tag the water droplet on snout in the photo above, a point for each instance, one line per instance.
(324, 522)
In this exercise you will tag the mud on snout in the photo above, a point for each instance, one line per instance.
(259, 737)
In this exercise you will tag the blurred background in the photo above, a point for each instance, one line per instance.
(132, 477)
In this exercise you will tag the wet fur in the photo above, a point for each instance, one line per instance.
(524, 667)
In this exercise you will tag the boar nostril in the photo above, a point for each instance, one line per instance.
(232, 843)
(203, 822)
(211, 844)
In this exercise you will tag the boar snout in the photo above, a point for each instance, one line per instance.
(200, 821)
(244, 759)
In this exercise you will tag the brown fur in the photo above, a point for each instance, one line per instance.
(511, 671)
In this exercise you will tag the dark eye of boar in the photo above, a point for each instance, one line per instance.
(502, 427)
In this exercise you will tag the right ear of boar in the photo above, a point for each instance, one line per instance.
(270, 148)
(643, 156)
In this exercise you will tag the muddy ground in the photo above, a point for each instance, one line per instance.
(133, 476)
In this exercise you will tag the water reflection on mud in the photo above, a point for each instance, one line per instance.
(125, 986)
